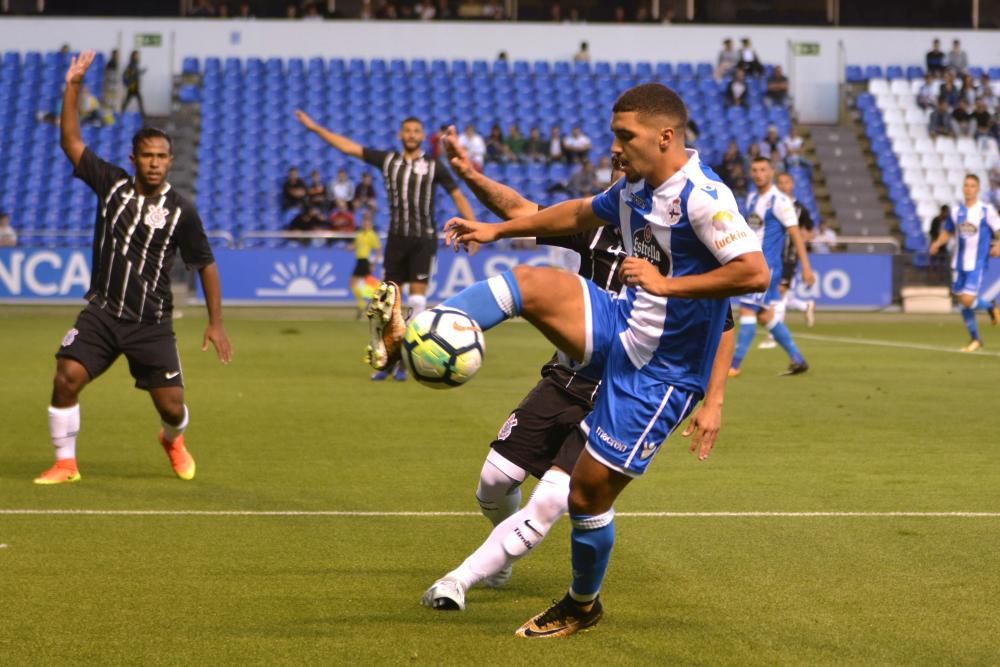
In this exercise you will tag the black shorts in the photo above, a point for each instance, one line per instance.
(788, 273)
(98, 338)
(544, 430)
(409, 260)
(362, 269)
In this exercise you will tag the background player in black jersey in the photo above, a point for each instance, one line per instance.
(410, 177)
(141, 224)
(541, 437)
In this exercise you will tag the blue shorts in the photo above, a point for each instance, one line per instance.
(634, 412)
(761, 300)
(966, 282)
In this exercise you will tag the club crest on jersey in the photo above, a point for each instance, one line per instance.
(507, 427)
(967, 229)
(755, 221)
(70, 337)
(645, 246)
(420, 168)
(674, 210)
(156, 217)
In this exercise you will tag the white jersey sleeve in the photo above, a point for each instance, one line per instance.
(784, 210)
(717, 222)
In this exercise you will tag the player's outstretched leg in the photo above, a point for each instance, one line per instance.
(64, 421)
(169, 402)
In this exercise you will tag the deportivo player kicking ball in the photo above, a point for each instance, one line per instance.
(542, 436)
(141, 224)
(973, 223)
(653, 348)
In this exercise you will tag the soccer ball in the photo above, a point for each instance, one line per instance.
(443, 348)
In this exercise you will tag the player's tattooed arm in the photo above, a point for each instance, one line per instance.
(503, 201)
(569, 217)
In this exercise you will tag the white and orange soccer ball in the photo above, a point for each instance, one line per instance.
(443, 348)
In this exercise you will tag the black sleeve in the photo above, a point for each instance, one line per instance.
(97, 173)
(192, 241)
(805, 219)
(443, 177)
(374, 157)
(730, 324)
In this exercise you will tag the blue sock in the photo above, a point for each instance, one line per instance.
(969, 317)
(748, 327)
(784, 338)
(591, 540)
(489, 302)
(982, 304)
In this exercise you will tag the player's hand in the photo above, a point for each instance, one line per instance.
(995, 249)
(78, 66)
(306, 121)
(808, 277)
(467, 233)
(636, 272)
(704, 427)
(217, 335)
(457, 157)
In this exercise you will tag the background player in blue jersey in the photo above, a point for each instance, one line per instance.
(973, 223)
(541, 437)
(653, 348)
(771, 214)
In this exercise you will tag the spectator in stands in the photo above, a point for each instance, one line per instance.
(365, 197)
(292, 11)
(733, 170)
(928, 94)
(536, 148)
(583, 182)
(642, 14)
(962, 116)
(583, 55)
(986, 92)
(749, 62)
(777, 88)
(555, 144)
(983, 119)
(772, 148)
(753, 152)
(316, 192)
(131, 78)
(201, 8)
(941, 121)
(341, 218)
(602, 174)
(793, 144)
(312, 13)
(245, 11)
(109, 86)
(935, 59)
(308, 220)
(496, 149)
(294, 191)
(957, 59)
(436, 137)
(576, 147)
(736, 91)
(474, 145)
(949, 91)
(825, 239)
(969, 90)
(8, 237)
(443, 12)
(939, 260)
(514, 141)
(342, 189)
(729, 58)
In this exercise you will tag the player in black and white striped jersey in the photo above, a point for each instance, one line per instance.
(141, 225)
(541, 437)
(410, 178)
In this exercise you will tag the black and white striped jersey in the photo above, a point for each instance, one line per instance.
(790, 254)
(135, 240)
(410, 186)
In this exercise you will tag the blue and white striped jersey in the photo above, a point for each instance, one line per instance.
(770, 215)
(973, 228)
(689, 225)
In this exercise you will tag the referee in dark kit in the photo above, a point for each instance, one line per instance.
(141, 224)
(410, 177)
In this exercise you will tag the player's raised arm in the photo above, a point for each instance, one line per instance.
(569, 217)
(504, 201)
(341, 143)
(69, 121)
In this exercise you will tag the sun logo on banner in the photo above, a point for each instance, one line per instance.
(302, 278)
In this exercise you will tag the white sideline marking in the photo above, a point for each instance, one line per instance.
(350, 513)
(891, 343)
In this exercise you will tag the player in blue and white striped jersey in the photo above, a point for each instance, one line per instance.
(771, 214)
(973, 223)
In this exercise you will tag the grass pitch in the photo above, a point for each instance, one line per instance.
(294, 425)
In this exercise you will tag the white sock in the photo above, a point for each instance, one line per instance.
(796, 303)
(519, 534)
(170, 433)
(499, 490)
(417, 304)
(64, 424)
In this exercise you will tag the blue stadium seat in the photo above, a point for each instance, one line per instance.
(894, 72)
(854, 74)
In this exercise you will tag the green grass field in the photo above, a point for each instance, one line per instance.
(294, 425)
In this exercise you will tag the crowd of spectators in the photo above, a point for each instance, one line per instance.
(737, 65)
(333, 207)
(784, 154)
(959, 104)
(513, 146)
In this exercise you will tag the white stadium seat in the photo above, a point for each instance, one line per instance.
(903, 147)
(935, 176)
(956, 176)
(930, 161)
(885, 100)
(965, 145)
(952, 161)
(916, 130)
(896, 130)
(924, 144)
(945, 145)
(900, 86)
(972, 162)
(909, 160)
(914, 179)
(943, 192)
(916, 116)
(906, 101)
(876, 86)
(927, 209)
(915, 86)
